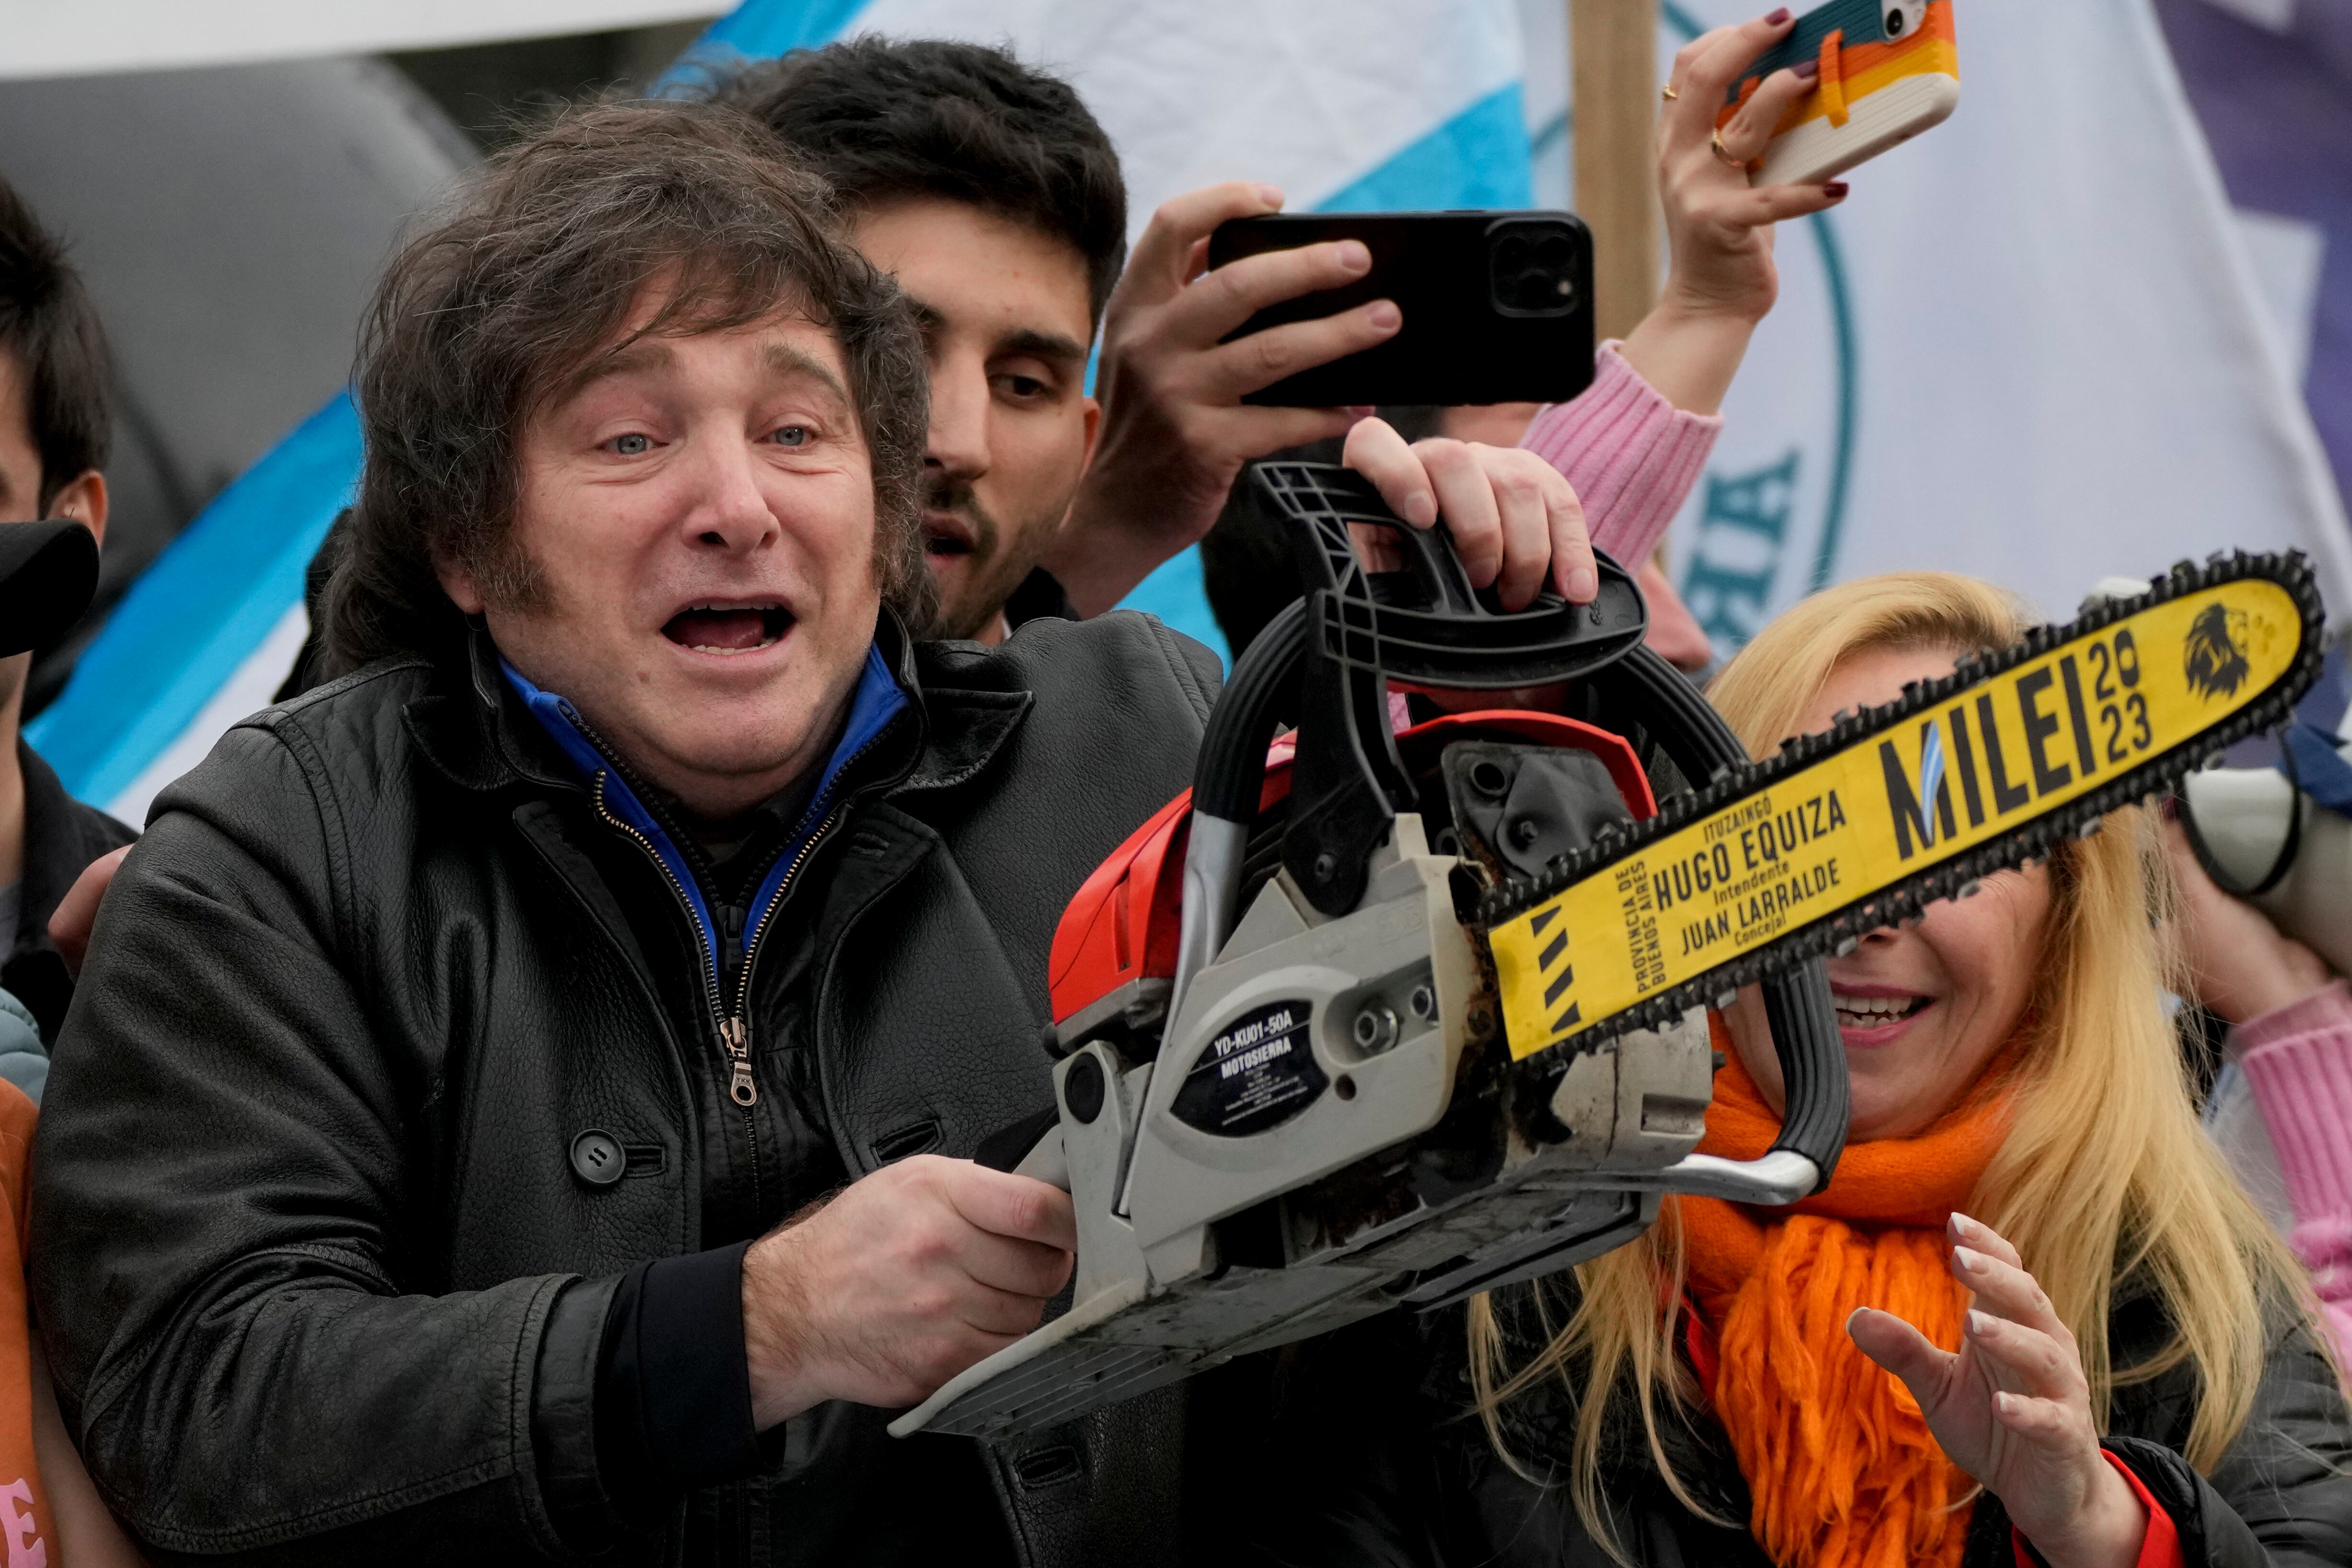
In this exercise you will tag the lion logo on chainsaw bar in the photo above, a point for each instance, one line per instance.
(2217, 664)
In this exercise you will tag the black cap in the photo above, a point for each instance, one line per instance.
(47, 574)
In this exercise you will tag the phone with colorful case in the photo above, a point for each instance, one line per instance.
(1890, 69)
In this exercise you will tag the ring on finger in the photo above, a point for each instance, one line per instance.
(1715, 144)
(1669, 93)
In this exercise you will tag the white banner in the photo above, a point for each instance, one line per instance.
(2030, 346)
(82, 38)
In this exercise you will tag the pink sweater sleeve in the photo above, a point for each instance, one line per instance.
(1632, 456)
(2298, 1062)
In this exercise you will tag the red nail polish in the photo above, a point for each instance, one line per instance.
(1806, 70)
(1835, 190)
(1777, 17)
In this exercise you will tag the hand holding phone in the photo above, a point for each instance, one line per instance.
(1882, 71)
(1175, 432)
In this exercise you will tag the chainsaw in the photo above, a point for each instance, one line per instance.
(1373, 1018)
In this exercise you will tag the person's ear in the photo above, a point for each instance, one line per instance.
(1093, 407)
(459, 585)
(85, 501)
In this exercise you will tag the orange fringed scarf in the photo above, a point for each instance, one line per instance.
(1839, 1461)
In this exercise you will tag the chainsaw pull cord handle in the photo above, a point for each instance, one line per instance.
(1797, 1004)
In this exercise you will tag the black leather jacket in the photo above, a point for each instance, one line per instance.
(1376, 1426)
(320, 1278)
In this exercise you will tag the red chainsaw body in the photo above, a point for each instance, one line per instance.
(1122, 925)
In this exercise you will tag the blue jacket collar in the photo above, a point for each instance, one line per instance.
(877, 702)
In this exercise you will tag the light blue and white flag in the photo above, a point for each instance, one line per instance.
(2031, 346)
(1353, 105)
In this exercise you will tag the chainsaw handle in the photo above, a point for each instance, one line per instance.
(1227, 783)
(1230, 772)
(1818, 1099)
(1425, 623)
(1343, 643)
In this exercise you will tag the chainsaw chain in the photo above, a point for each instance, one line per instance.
(1905, 900)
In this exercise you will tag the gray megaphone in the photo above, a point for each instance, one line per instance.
(2262, 836)
(2270, 844)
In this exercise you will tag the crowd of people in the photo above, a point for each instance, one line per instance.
(516, 1100)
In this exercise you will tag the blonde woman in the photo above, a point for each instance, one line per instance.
(2031, 1317)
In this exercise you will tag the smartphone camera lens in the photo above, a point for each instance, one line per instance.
(1532, 270)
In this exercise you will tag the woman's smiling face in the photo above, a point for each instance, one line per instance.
(1923, 1010)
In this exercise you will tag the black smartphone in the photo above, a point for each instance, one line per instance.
(1498, 306)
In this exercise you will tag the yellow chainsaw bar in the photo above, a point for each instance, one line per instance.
(1854, 829)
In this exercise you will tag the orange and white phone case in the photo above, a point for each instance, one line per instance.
(1890, 69)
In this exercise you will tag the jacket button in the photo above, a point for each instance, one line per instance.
(597, 1159)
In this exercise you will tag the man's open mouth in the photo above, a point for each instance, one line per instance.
(729, 626)
(953, 526)
(1858, 1011)
(943, 535)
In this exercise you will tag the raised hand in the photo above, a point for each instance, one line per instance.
(1175, 432)
(2240, 965)
(2013, 1408)
(1721, 277)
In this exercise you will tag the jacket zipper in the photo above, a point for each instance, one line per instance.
(737, 1048)
(734, 1031)
(737, 1030)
